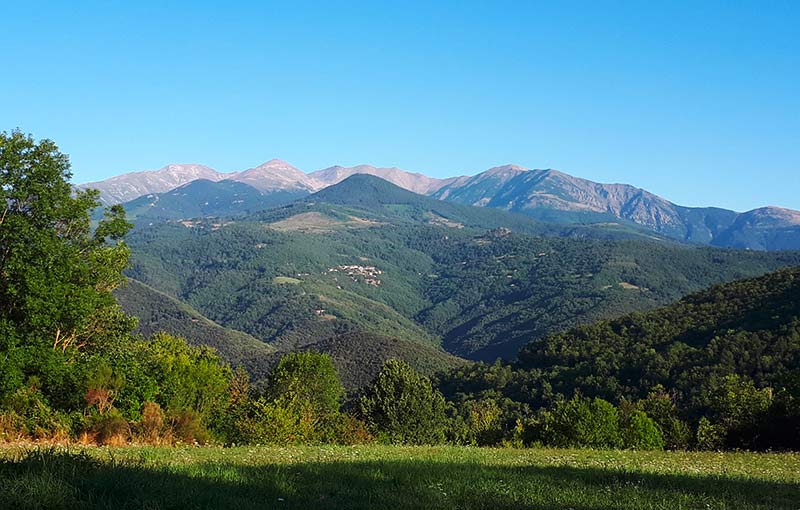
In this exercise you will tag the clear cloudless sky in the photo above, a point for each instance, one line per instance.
(697, 101)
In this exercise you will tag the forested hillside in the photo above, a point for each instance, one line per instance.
(719, 368)
(357, 355)
(749, 328)
(365, 254)
(157, 312)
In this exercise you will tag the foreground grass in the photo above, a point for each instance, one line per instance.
(368, 477)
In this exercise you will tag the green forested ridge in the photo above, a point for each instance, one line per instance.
(158, 312)
(358, 355)
(749, 328)
(718, 368)
(204, 198)
(444, 278)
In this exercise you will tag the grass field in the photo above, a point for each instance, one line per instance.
(369, 477)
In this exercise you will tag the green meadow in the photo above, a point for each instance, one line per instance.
(370, 477)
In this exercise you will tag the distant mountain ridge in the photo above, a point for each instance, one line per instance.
(548, 195)
(554, 196)
(416, 182)
(274, 175)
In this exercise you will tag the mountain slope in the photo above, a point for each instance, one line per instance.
(277, 175)
(767, 228)
(125, 187)
(359, 356)
(203, 198)
(750, 328)
(367, 255)
(159, 312)
(272, 176)
(547, 195)
(555, 196)
(415, 182)
(382, 200)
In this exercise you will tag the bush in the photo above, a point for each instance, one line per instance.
(28, 414)
(478, 423)
(346, 429)
(661, 408)
(639, 431)
(740, 410)
(108, 429)
(186, 426)
(710, 436)
(151, 426)
(268, 423)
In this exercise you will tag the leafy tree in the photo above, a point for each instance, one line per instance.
(402, 407)
(301, 404)
(661, 408)
(56, 275)
(739, 409)
(187, 377)
(306, 382)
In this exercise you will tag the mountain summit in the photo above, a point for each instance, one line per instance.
(277, 175)
(125, 187)
(544, 194)
(415, 182)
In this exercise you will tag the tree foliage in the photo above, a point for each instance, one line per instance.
(402, 407)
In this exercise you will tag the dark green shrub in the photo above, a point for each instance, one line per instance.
(186, 426)
(580, 422)
(639, 431)
(109, 428)
(710, 436)
(306, 382)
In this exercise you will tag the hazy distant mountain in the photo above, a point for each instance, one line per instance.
(277, 175)
(415, 182)
(274, 175)
(554, 196)
(125, 187)
(204, 198)
(547, 195)
(767, 228)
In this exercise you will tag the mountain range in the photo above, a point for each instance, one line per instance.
(173, 192)
(371, 260)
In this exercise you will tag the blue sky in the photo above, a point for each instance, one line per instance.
(696, 101)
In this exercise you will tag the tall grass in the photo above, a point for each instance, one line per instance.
(393, 477)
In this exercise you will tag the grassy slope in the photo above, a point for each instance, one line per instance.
(369, 477)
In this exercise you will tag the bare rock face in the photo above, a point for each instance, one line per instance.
(126, 187)
(277, 175)
(547, 195)
(555, 196)
(415, 182)
(274, 175)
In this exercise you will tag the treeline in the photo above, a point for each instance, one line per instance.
(717, 369)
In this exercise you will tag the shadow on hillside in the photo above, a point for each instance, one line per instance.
(48, 481)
